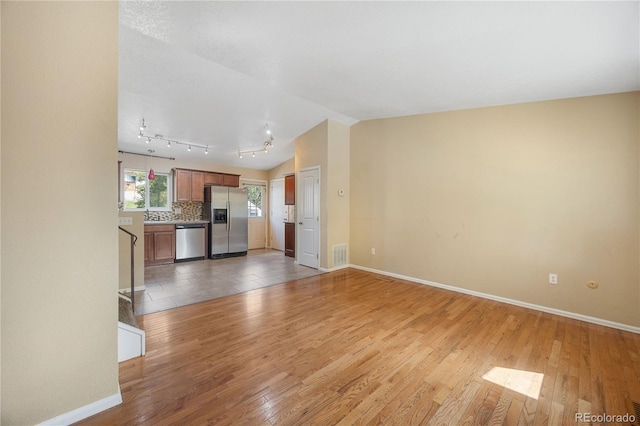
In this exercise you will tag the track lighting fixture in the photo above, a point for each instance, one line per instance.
(149, 138)
(268, 143)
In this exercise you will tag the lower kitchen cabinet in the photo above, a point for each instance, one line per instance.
(159, 244)
(290, 239)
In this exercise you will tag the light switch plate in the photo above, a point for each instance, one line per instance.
(125, 220)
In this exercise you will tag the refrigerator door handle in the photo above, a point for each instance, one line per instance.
(229, 216)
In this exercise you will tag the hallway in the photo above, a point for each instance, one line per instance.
(180, 284)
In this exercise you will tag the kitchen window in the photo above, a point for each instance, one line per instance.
(141, 193)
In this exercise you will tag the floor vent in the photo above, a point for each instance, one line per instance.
(339, 255)
(634, 410)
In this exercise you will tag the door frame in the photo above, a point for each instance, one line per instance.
(270, 236)
(265, 203)
(319, 189)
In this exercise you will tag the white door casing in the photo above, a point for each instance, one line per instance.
(276, 218)
(308, 228)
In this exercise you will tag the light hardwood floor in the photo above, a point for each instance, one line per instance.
(350, 347)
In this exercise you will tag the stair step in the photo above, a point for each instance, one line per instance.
(125, 313)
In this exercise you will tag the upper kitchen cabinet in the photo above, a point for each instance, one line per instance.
(182, 179)
(231, 180)
(211, 178)
(197, 186)
(221, 179)
(189, 185)
(290, 190)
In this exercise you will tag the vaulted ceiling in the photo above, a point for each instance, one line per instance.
(214, 73)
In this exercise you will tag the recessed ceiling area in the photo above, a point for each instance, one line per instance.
(214, 73)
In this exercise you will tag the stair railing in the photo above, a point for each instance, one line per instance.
(132, 238)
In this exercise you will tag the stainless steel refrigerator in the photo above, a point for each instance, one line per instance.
(226, 208)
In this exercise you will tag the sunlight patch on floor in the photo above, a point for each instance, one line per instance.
(524, 382)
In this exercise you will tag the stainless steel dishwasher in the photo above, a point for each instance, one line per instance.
(190, 242)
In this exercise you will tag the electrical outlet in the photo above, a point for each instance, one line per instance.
(373, 251)
(177, 210)
(553, 278)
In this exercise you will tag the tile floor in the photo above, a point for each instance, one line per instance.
(180, 284)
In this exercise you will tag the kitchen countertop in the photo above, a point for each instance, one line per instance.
(173, 222)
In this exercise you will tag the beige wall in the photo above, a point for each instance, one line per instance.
(286, 168)
(495, 199)
(327, 146)
(0, 220)
(124, 252)
(59, 216)
(337, 180)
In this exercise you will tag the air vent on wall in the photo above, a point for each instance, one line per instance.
(339, 255)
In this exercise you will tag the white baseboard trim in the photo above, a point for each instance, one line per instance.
(586, 318)
(337, 268)
(86, 411)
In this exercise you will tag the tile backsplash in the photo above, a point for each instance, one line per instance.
(188, 211)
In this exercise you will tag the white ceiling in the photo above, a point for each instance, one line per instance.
(214, 73)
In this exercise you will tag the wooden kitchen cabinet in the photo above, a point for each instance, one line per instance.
(231, 180)
(290, 239)
(197, 186)
(189, 185)
(290, 190)
(221, 179)
(211, 178)
(148, 247)
(182, 184)
(159, 244)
